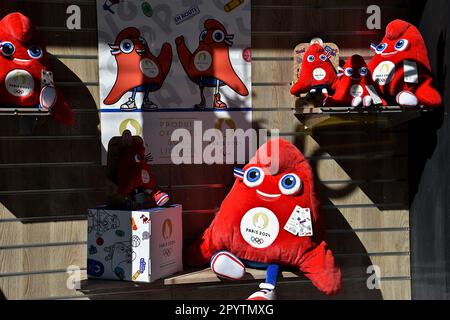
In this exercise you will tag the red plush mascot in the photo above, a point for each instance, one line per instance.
(270, 218)
(401, 67)
(132, 174)
(354, 86)
(317, 72)
(26, 79)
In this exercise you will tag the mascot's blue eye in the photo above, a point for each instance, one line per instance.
(253, 177)
(290, 184)
(401, 44)
(218, 36)
(35, 52)
(126, 46)
(381, 47)
(8, 49)
(311, 58)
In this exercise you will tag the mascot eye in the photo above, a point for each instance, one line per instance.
(381, 47)
(143, 41)
(323, 57)
(401, 45)
(218, 36)
(311, 58)
(8, 49)
(348, 72)
(137, 158)
(363, 71)
(35, 52)
(290, 184)
(253, 177)
(126, 46)
(203, 35)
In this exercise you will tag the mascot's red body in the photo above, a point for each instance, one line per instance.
(317, 72)
(138, 70)
(26, 79)
(251, 223)
(401, 67)
(354, 86)
(134, 175)
(209, 65)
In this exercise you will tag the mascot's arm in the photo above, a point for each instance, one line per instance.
(165, 58)
(61, 111)
(319, 266)
(301, 86)
(427, 94)
(184, 54)
(201, 250)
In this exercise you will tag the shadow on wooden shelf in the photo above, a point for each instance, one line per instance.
(203, 284)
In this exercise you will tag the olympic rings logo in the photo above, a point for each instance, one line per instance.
(167, 252)
(257, 240)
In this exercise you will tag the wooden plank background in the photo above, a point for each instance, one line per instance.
(50, 177)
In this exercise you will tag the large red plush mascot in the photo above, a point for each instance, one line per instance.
(26, 79)
(210, 65)
(401, 67)
(138, 70)
(354, 86)
(270, 218)
(317, 72)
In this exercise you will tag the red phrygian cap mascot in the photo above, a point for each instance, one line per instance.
(354, 86)
(209, 65)
(26, 79)
(317, 72)
(134, 176)
(138, 70)
(401, 67)
(270, 218)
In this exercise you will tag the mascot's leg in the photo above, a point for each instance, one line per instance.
(428, 95)
(318, 265)
(147, 104)
(267, 291)
(218, 104)
(161, 198)
(227, 265)
(130, 105)
(202, 104)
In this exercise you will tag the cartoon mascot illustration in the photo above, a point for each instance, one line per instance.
(401, 67)
(26, 79)
(209, 65)
(138, 70)
(270, 218)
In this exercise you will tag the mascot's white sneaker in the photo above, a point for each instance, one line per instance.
(407, 99)
(227, 265)
(267, 292)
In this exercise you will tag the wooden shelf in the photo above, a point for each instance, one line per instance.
(313, 110)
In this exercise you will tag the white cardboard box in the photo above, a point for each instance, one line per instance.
(139, 246)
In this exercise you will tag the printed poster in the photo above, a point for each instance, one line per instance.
(166, 64)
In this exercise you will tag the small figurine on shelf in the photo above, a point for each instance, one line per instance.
(401, 67)
(270, 218)
(128, 169)
(26, 77)
(354, 86)
(317, 73)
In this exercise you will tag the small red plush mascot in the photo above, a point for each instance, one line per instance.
(269, 219)
(134, 177)
(354, 86)
(401, 67)
(317, 72)
(26, 79)
(138, 70)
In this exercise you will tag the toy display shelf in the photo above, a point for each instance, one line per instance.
(22, 111)
(314, 110)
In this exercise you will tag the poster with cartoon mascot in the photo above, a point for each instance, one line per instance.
(166, 64)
